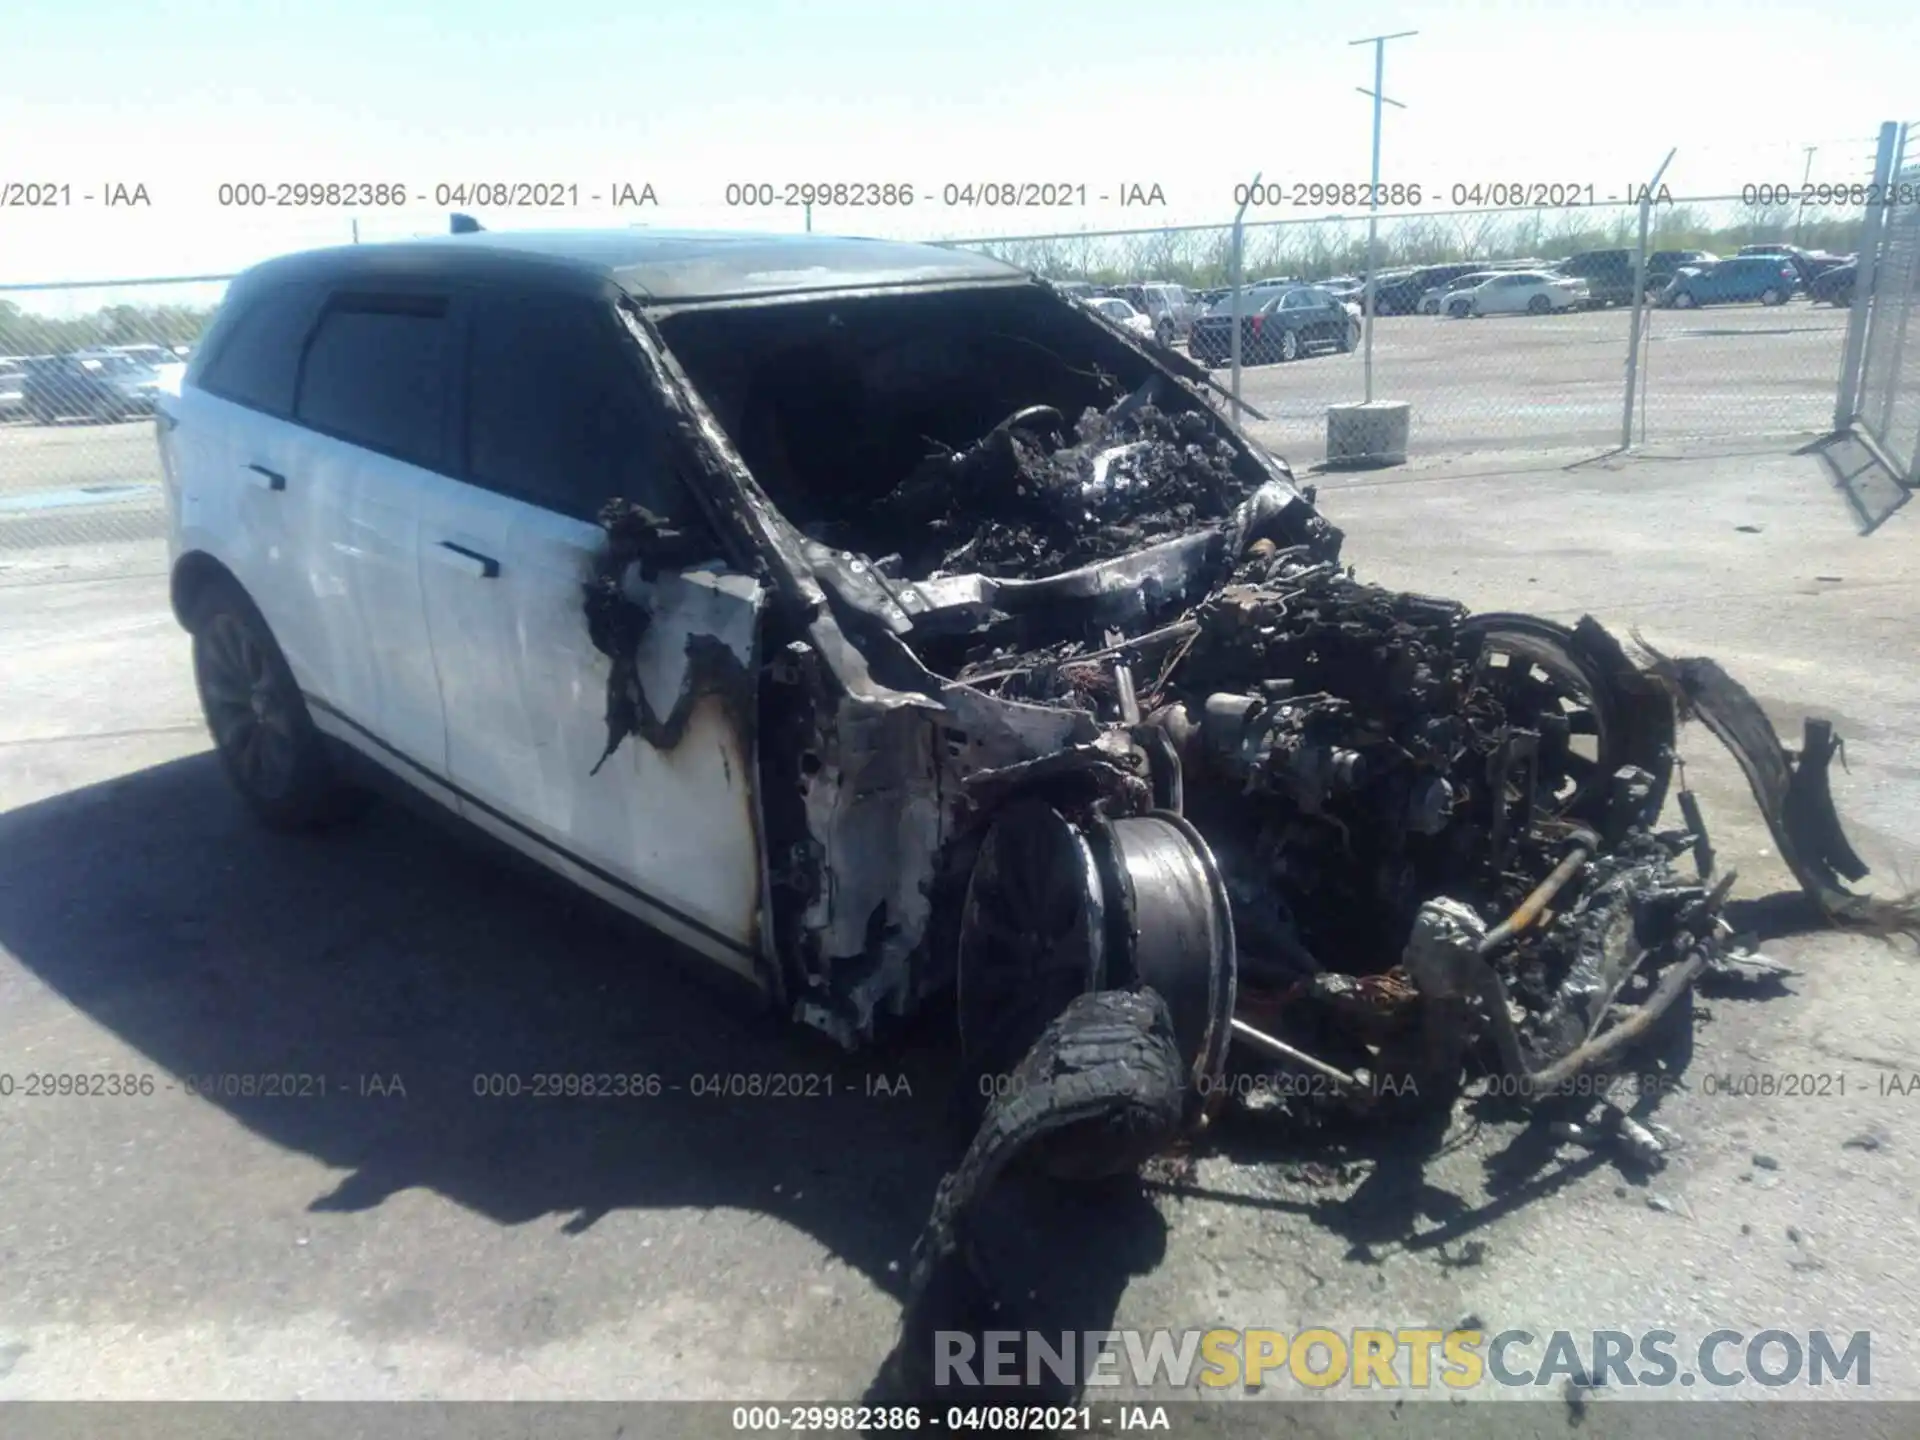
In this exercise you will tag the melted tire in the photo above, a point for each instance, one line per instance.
(1101, 1091)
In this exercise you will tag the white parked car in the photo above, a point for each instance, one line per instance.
(1122, 314)
(1436, 297)
(1524, 292)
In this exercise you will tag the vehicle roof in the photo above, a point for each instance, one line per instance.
(666, 265)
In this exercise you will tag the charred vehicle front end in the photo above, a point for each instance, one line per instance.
(1064, 691)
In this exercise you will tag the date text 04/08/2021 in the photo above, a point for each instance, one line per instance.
(385, 194)
(955, 1419)
(972, 194)
(226, 1085)
(703, 1085)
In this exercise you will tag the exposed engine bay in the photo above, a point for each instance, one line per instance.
(1074, 696)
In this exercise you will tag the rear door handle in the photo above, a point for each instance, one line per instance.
(266, 479)
(467, 562)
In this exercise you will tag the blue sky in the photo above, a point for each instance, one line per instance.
(182, 96)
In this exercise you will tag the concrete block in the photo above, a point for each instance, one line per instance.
(1368, 433)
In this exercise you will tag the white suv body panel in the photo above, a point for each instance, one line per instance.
(669, 833)
(479, 685)
(360, 543)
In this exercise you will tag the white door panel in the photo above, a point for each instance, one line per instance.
(363, 573)
(241, 496)
(524, 693)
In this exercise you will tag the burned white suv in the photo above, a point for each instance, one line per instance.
(878, 623)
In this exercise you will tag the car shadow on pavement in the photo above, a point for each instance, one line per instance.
(400, 956)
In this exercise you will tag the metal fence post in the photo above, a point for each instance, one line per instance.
(1234, 278)
(1890, 383)
(1639, 301)
(1846, 401)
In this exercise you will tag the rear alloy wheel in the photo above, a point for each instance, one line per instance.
(259, 720)
(1772, 295)
(1289, 345)
(1539, 305)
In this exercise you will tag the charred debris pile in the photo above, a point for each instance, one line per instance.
(1036, 495)
(1439, 831)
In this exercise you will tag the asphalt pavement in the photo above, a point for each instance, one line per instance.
(378, 1228)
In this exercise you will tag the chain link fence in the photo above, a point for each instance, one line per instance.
(1509, 327)
(1880, 396)
(1500, 328)
(79, 369)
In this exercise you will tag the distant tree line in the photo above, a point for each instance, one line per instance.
(24, 333)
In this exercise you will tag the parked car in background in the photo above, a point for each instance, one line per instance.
(98, 386)
(1663, 265)
(13, 397)
(1169, 308)
(1770, 279)
(1402, 295)
(1520, 292)
(1278, 325)
(151, 355)
(1075, 289)
(1608, 273)
(1435, 298)
(1122, 314)
(1807, 264)
(1833, 286)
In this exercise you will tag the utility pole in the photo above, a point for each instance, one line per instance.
(809, 217)
(1379, 43)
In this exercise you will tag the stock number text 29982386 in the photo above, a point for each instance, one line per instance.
(1346, 194)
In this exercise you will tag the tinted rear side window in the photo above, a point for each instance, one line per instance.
(557, 413)
(376, 373)
(256, 362)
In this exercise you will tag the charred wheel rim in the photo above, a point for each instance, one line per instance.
(1032, 931)
(1171, 930)
(248, 708)
(1542, 683)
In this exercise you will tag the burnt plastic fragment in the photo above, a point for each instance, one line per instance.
(615, 623)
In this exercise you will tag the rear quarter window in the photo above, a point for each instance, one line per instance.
(254, 357)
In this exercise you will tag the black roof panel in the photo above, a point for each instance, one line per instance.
(672, 265)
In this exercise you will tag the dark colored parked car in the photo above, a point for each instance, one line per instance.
(1608, 273)
(1401, 295)
(107, 386)
(1767, 278)
(1278, 326)
(1833, 286)
(13, 399)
